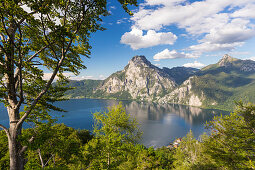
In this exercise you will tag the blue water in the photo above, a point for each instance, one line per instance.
(161, 124)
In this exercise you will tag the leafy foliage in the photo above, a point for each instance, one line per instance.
(37, 35)
(231, 142)
(115, 135)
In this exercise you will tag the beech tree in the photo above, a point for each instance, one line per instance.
(39, 35)
(113, 147)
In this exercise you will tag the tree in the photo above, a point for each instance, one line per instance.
(50, 147)
(231, 143)
(113, 147)
(38, 35)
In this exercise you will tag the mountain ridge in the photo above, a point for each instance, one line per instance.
(214, 86)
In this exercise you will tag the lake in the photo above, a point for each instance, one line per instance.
(160, 123)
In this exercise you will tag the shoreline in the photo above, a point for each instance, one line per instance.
(149, 102)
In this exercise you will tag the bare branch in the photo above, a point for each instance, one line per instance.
(49, 159)
(24, 148)
(40, 156)
(5, 129)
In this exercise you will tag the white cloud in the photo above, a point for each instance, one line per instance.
(157, 64)
(166, 54)
(211, 47)
(252, 58)
(102, 77)
(47, 76)
(236, 31)
(123, 20)
(196, 64)
(185, 15)
(137, 40)
(246, 12)
(70, 76)
(82, 77)
(112, 7)
(220, 24)
(160, 2)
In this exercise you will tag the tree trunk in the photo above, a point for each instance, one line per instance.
(16, 158)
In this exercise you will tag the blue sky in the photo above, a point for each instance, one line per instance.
(172, 33)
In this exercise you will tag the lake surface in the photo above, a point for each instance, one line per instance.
(161, 124)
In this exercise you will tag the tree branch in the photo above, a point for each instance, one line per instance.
(54, 72)
(5, 129)
(24, 148)
(42, 92)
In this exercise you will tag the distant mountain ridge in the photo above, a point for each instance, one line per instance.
(216, 85)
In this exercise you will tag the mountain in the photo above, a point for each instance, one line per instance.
(83, 88)
(180, 74)
(219, 85)
(139, 80)
(214, 86)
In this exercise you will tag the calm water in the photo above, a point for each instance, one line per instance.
(161, 124)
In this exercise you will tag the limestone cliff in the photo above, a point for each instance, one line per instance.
(183, 95)
(140, 79)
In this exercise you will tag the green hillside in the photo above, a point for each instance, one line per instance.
(226, 82)
(83, 88)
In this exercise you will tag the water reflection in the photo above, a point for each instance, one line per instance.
(164, 123)
(160, 123)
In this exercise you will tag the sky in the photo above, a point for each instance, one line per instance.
(171, 33)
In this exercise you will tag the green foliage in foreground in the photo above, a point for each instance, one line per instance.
(113, 145)
(230, 144)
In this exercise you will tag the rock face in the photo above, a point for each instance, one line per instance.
(183, 95)
(141, 79)
(216, 84)
(226, 61)
(233, 63)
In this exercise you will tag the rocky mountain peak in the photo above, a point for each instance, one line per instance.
(226, 60)
(140, 61)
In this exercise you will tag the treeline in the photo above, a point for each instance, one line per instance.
(113, 145)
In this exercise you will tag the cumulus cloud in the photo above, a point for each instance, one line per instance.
(160, 2)
(166, 54)
(246, 12)
(137, 40)
(184, 14)
(220, 24)
(196, 64)
(235, 31)
(211, 47)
